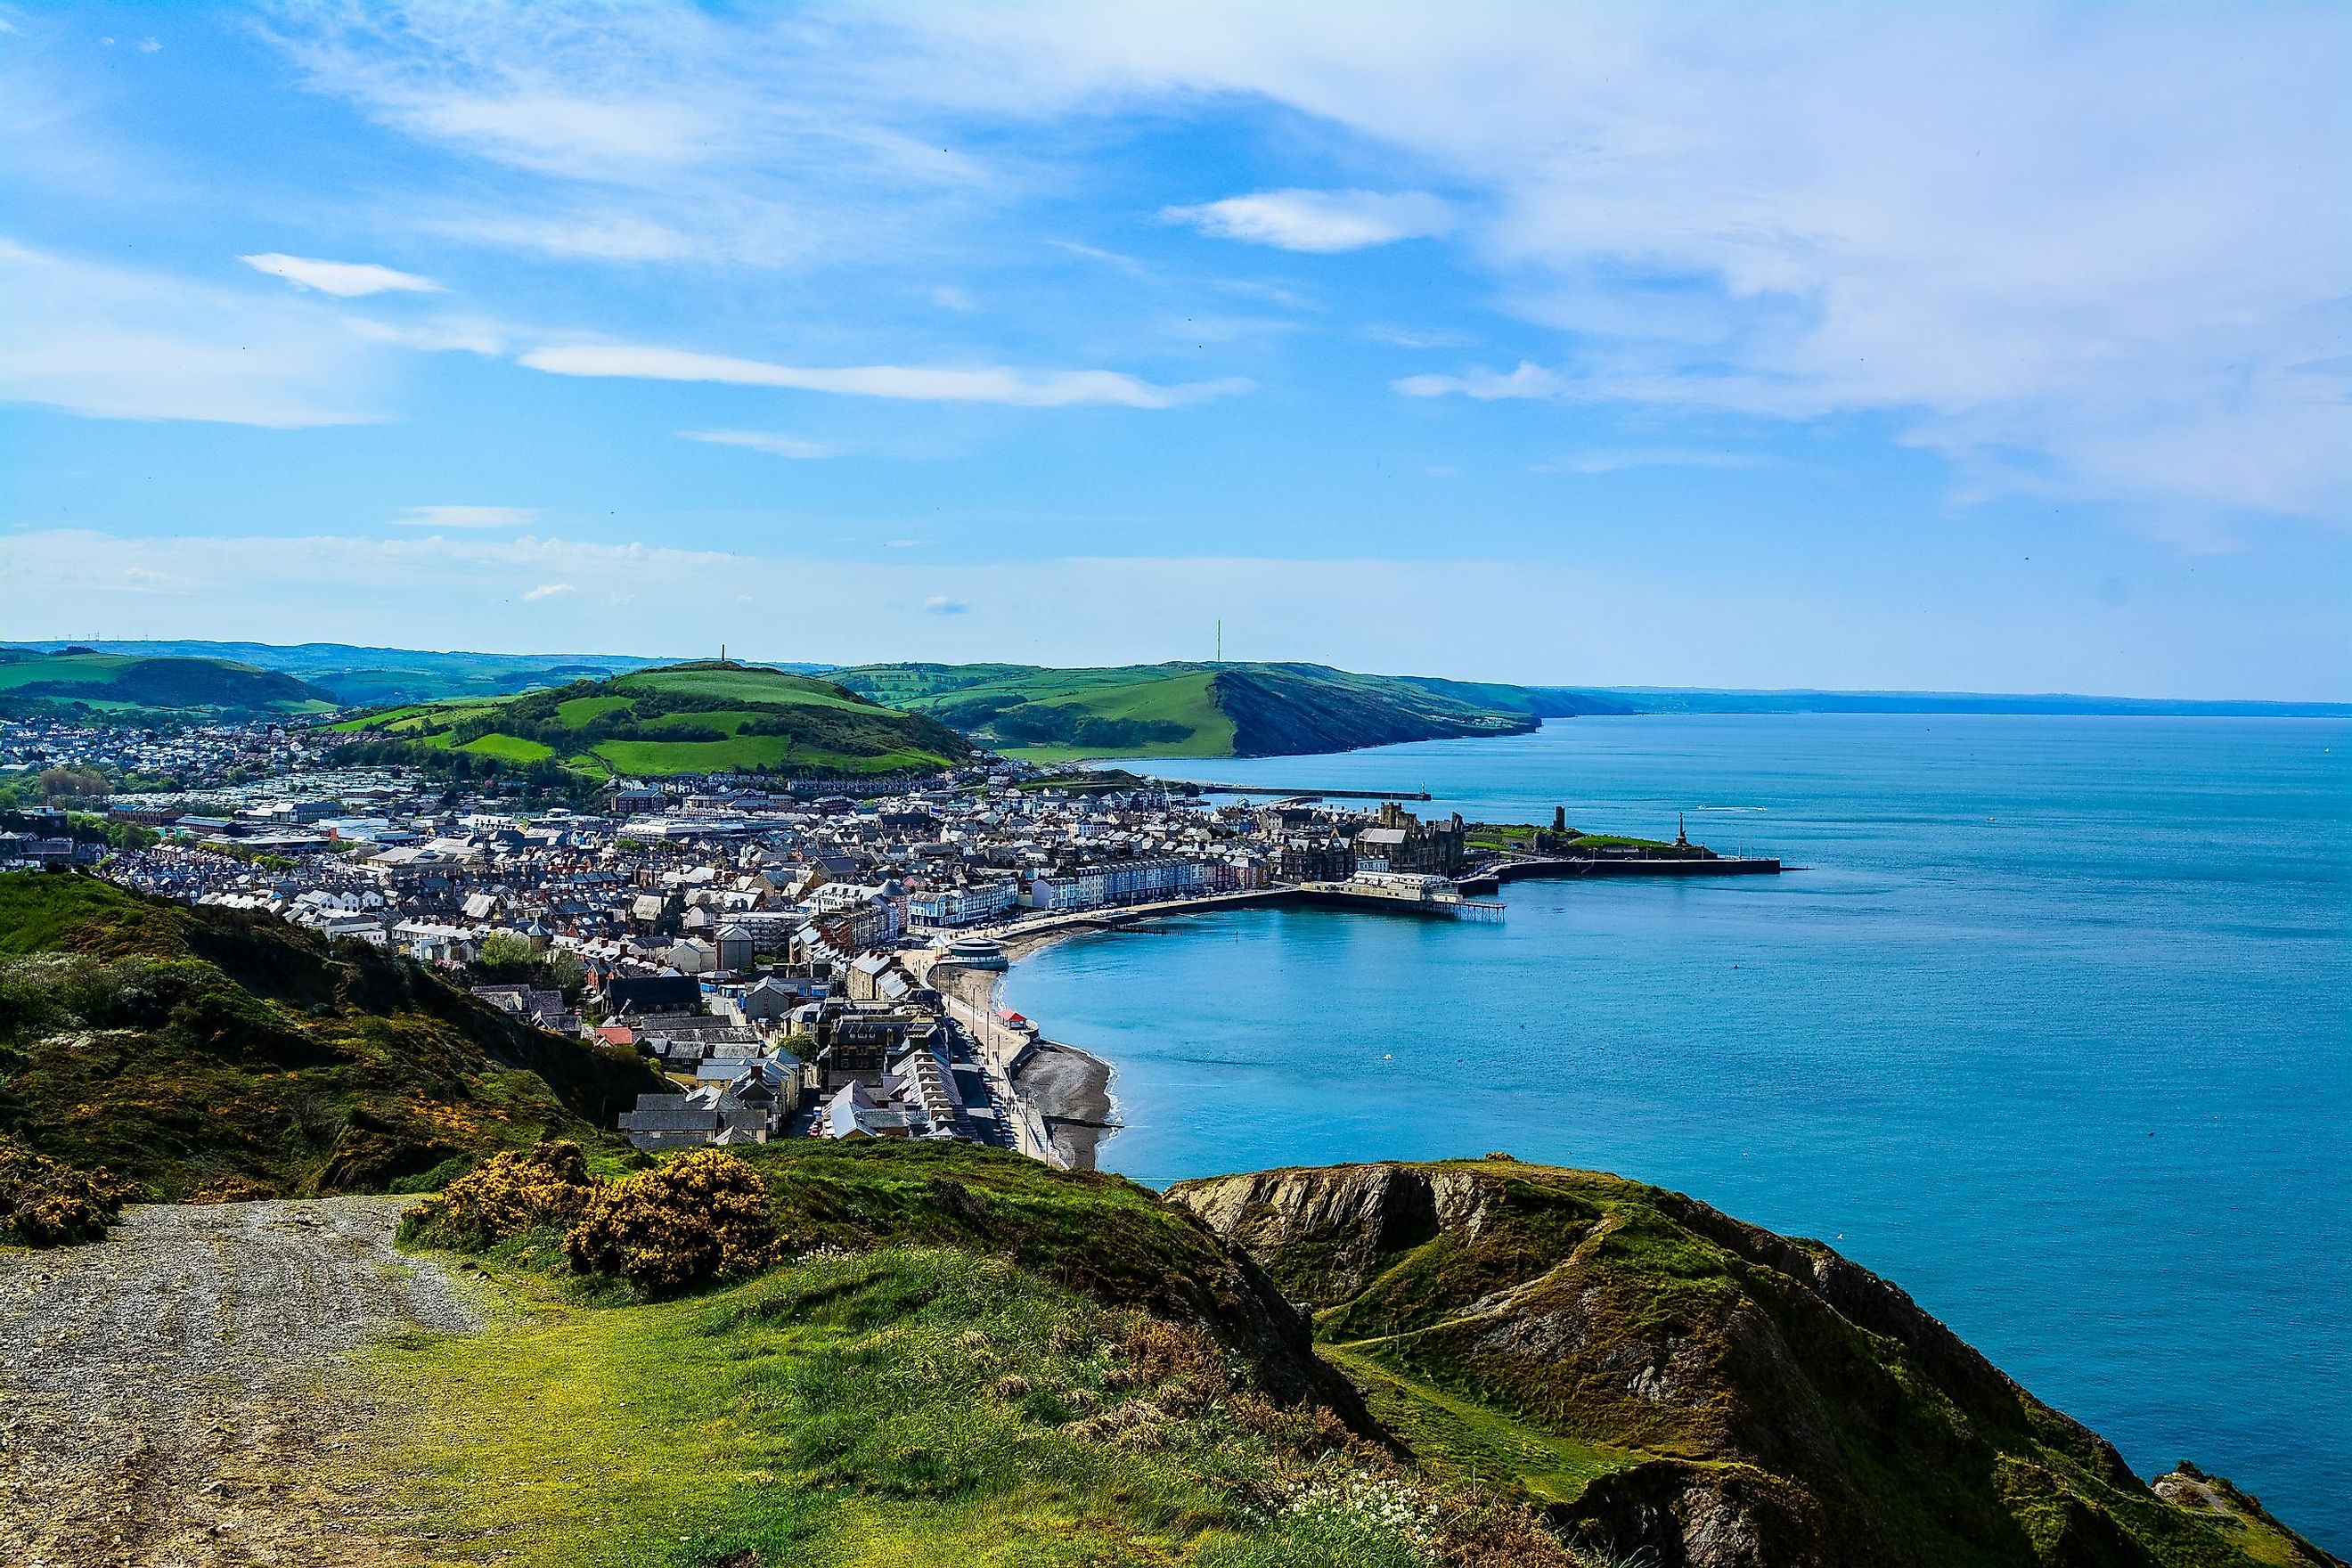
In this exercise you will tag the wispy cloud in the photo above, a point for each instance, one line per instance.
(1610, 462)
(343, 280)
(482, 518)
(548, 591)
(940, 604)
(1319, 220)
(770, 442)
(1528, 380)
(1400, 337)
(122, 343)
(1028, 389)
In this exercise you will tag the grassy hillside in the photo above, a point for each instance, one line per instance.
(105, 685)
(1662, 1376)
(362, 677)
(679, 719)
(1201, 710)
(194, 1051)
(1550, 1369)
(960, 1355)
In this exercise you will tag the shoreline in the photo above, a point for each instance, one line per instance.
(1070, 1087)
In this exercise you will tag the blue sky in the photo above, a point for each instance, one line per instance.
(1985, 347)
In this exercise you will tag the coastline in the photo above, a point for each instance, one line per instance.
(1070, 1089)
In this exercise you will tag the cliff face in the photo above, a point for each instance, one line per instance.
(1673, 1382)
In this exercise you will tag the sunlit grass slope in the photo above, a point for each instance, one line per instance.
(683, 719)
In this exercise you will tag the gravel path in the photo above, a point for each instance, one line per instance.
(166, 1396)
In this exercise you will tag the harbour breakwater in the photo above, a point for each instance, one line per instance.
(1492, 878)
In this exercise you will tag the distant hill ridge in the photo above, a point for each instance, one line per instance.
(106, 685)
(1187, 709)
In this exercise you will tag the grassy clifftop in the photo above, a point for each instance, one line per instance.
(1203, 709)
(1667, 1379)
(678, 718)
(1520, 1368)
(193, 1051)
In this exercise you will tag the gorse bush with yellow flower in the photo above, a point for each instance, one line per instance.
(510, 1194)
(702, 1215)
(47, 1203)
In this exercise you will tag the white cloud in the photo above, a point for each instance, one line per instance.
(466, 517)
(2100, 241)
(548, 591)
(942, 605)
(149, 45)
(2082, 251)
(446, 334)
(343, 280)
(1319, 220)
(119, 343)
(764, 441)
(1529, 380)
(1031, 389)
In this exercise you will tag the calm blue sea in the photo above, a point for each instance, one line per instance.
(2054, 1031)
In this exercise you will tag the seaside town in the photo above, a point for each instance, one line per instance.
(800, 957)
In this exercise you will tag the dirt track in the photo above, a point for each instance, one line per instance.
(168, 1397)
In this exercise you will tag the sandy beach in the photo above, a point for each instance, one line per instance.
(1069, 1088)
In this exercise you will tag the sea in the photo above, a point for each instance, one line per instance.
(2049, 1021)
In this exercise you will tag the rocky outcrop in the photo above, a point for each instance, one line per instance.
(1747, 1400)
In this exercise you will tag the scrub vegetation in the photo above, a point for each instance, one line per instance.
(179, 1052)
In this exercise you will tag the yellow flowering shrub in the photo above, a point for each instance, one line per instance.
(703, 1216)
(47, 1203)
(508, 1195)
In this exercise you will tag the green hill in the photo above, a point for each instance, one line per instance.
(677, 719)
(1666, 1380)
(97, 687)
(197, 1050)
(1203, 709)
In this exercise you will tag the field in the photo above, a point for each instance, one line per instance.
(693, 719)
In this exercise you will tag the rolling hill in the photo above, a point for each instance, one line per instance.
(204, 1051)
(356, 676)
(1204, 710)
(131, 687)
(677, 720)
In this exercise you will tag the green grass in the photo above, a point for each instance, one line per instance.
(578, 710)
(765, 687)
(1468, 1437)
(644, 723)
(508, 749)
(837, 1412)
